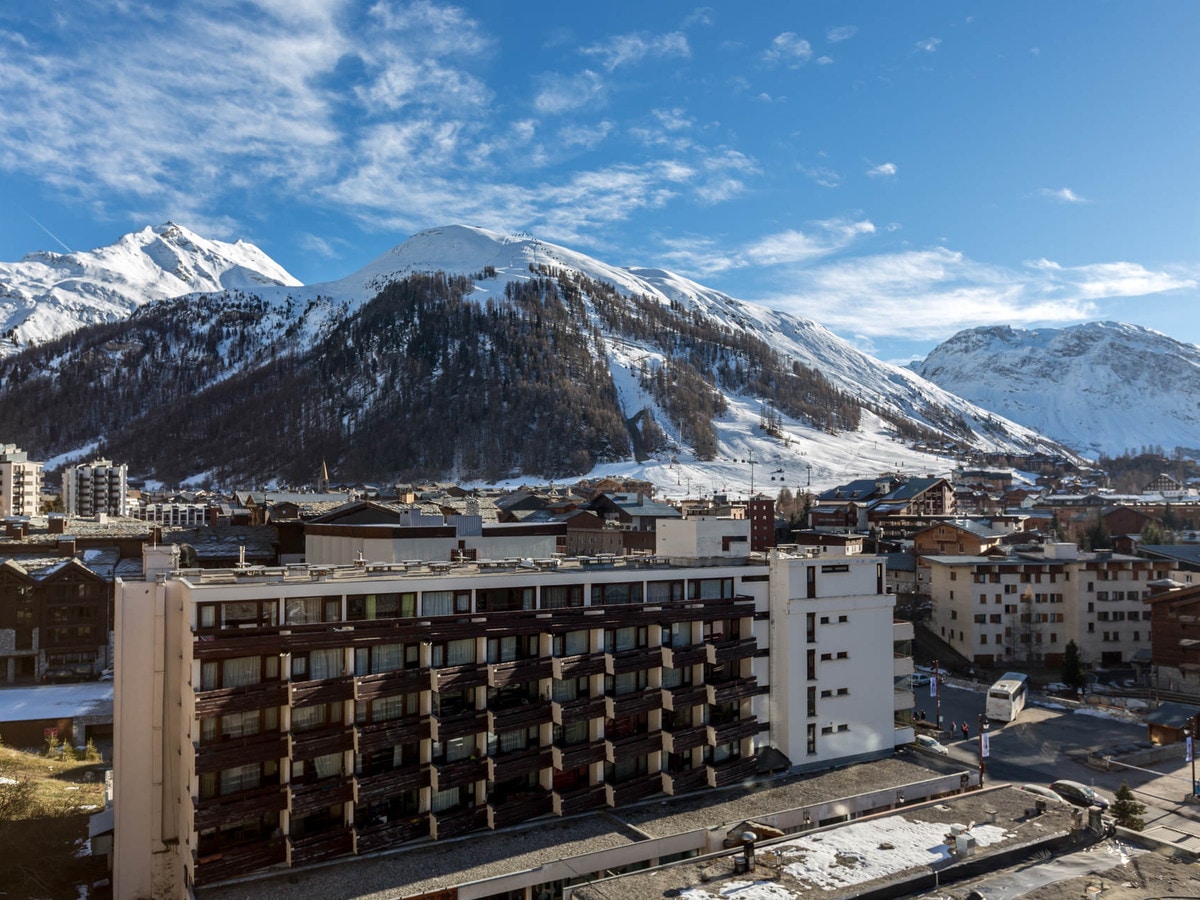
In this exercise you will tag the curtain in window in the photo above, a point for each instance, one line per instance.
(460, 652)
(672, 677)
(329, 765)
(326, 663)
(443, 800)
(512, 740)
(240, 724)
(437, 603)
(305, 718)
(240, 671)
(387, 708)
(301, 610)
(459, 748)
(658, 592)
(387, 657)
(561, 690)
(239, 778)
(576, 643)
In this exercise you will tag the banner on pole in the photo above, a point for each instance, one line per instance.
(933, 687)
(1189, 757)
(985, 745)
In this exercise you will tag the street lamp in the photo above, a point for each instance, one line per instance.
(1190, 731)
(984, 746)
(935, 689)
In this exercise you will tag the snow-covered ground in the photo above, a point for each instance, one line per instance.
(56, 701)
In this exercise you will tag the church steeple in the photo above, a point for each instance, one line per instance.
(323, 479)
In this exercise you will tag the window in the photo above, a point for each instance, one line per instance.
(236, 725)
(573, 643)
(812, 702)
(812, 738)
(664, 591)
(504, 599)
(812, 665)
(386, 658)
(380, 606)
(238, 614)
(629, 638)
(562, 596)
(616, 594)
(810, 620)
(454, 653)
(238, 672)
(319, 664)
(710, 588)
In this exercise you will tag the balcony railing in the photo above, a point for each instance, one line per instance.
(732, 691)
(678, 657)
(564, 712)
(721, 652)
(315, 847)
(633, 790)
(453, 822)
(734, 771)
(240, 806)
(685, 696)
(515, 810)
(307, 798)
(457, 678)
(633, 746)
(230, 862)
(321, 742)
(381, 735)
(622, 662)
(568, 803)
(241, 751)
(728, 732)
(459, 724)
(504, 766)
(445, 775)
(246, 698)
(518, 671)
(373, 788)
(685, 782)
(516, 717)
(680, 740)
(391, 684)
(565, 759)
(385, 835)
(567, 667)
(619, 706)
(325, 690)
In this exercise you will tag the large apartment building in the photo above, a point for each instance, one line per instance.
(89, 489)
(20, 482)
(1027, 605)
(280, 717)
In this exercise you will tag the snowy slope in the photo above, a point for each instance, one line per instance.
(47, 294)
(1099, 387)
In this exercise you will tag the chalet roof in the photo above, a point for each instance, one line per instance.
(971, 526)
(913, 488)
(1186, 554)
(641, 505)
(901, 562)
(1173, 715)
(862, 489)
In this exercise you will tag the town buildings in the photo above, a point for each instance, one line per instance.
(97, 487)
(20, 483)
(282, 716)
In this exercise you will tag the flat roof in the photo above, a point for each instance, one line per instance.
(56, 701)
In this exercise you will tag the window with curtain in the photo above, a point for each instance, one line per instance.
(328, 766)
(447, 799)
(664, 591)
(240, 778)
(307, 718)
(240, 671)
(514, 740)
(561, 596)
(303, 610)
(437, 603)
(459, 748)
(461, 652)
(326, 663)
(387, 657)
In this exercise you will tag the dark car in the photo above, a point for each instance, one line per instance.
(59, 675)
(1079, 794)
(84, 672)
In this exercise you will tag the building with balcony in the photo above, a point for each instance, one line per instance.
(94, 488)
(20, 483)
(276, 717)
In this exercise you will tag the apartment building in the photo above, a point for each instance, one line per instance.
(1027, 605)
(280, 717)
(20, 483)
(94, 488)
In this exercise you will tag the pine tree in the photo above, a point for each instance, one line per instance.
(1072, 666)
(1126, 810)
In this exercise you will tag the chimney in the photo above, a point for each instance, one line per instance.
(57, 523)
(214, 513)
(66, 547)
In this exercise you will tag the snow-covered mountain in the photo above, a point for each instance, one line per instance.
(1102, 387)
(340, 365)
(49, 294)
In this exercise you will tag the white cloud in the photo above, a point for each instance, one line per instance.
(1062, 195)
(563, 93)
(883, 170)
(626, 49)
(841, 33)
(824, 238)
(822, 175)
(929, 45)
(788, 49)
(824, 60)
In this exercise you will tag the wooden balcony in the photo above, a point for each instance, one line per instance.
(566, 667)
(518, 671)
(241, 699)
(373, 788)
(566, 759)
(391, 684)
(453, 822)
(680, 740)
(728, 732)
(385, 835)
(457, 724)
(515, 763)
(721, 652)
(393, 732)
(564, 712)
(619, 706)
(685, 696)
(525, 716)
(445, 775)
(325, 690)
(685, 782)
(313, 848)
(240, 806)
(457, 678)
(679, 657)
(230, 862)
(321, 742)
(516, 810)
(632, 746)
(568, 803)
(633, 790)
(241, 751)
(732, 691)
(734, 771)
(308, 798)
(623, 662)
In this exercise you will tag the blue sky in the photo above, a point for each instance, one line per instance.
(894, 171)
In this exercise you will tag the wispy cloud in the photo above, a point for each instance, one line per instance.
(793, 246)
(627, 49)
(929, 45)
(788, 49)
(822, 175)
(841, 33)
(558, 93)
(1062, 195)
(883, 170)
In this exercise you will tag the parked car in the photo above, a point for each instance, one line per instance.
(59, 675)
(84, 672)
(1042, 791)
(1079, 794)
(919, 679)
(929, 743)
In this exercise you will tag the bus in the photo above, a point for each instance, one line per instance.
(1006, 698)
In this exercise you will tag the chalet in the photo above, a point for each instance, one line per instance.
(1175, 638)
(633, 512)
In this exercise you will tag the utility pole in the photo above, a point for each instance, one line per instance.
(937, 697)
(984, 747)
(752, 465)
